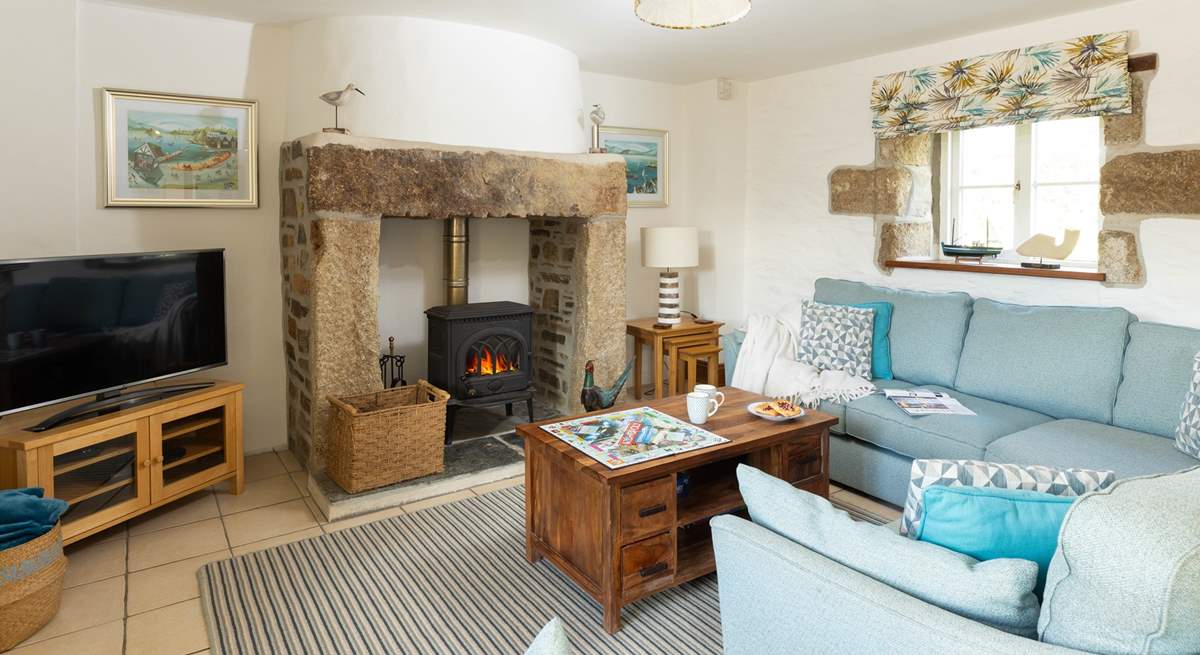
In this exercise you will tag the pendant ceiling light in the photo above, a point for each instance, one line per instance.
(690, 14)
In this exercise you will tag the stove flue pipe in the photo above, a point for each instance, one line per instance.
(454, 262)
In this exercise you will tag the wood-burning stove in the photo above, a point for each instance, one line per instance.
(481, 353)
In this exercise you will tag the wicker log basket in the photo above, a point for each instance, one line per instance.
(31, 583)
(385, 437)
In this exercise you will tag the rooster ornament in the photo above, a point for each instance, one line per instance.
(594, 397)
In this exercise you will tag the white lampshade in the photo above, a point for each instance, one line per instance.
(670, 247)
(690, 14)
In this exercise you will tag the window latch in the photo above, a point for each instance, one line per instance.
(1017, 186)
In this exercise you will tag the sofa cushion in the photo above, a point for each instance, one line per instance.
(927, 328)
(836, 338)
(838, 410)
(1126, 575)
(1083, 444)
(1155, 377)
(998, 593)
(1061, 361)
(877, 420)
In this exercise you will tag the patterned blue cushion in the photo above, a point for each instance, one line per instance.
(1187, 436)
(837, 338)
(1060, 361)
(928, 473)
(927, 328)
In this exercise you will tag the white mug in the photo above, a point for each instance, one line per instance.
(700, 406)
(712, 392)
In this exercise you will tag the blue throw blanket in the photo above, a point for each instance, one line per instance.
(25, 515)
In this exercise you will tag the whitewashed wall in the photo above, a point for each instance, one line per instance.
(801, 126)
(58, 54)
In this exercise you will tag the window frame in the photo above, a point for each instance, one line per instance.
(1024, 190)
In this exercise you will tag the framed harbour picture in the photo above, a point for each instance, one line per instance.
(645, 153)
(167, 150)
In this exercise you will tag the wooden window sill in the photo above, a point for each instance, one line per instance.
(999, 268)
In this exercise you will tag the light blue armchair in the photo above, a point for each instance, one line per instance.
(780, 597)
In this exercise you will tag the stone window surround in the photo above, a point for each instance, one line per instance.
(1137, 182)
(334, 192)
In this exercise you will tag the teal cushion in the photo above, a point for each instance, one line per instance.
(1126, 575)
(877, 420)
(1155, 377)
(838, 410)
(881, 345)
(1071, 443)
(927, 330)
(998, 593)
(1060, 361)
(992, 523)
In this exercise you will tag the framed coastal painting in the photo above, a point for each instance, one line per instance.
(166, 150)
(645, 153)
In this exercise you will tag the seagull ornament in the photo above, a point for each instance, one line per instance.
(337, 99)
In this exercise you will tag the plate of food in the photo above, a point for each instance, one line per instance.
(776, 410)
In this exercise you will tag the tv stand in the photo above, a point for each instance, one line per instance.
(120, 464)
(115, 401)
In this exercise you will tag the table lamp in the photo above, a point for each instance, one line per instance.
(668, 248)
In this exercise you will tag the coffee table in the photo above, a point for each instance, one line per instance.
(624, 534)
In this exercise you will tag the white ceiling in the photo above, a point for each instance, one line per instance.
(777, 37)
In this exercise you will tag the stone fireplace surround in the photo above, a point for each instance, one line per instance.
(335, 190)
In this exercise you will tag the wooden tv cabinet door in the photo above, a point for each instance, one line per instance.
(116, 466)
(624, 534)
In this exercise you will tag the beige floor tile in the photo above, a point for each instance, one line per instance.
(868, 504)
(306, 533)
(262, 466)
(197, 507)
(316, 511)
(301, 480)
(289, 460)
(167, 584)
(104, 639)
(257, 494)
(267, 522)
(174, 544)
(172, 630)
(439, 500)
(498, 485)
(89, 561)
(364, 519)
(86, 606)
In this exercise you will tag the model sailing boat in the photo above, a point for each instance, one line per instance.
(977, 250)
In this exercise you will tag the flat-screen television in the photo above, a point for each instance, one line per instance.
(76, 326)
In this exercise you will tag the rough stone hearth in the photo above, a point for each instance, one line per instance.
(336, 189)
(1137, 182)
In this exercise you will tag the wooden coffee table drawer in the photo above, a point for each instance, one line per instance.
(647, 565)
(802, 459)
(647, 508)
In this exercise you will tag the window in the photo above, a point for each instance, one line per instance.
(1009, 182)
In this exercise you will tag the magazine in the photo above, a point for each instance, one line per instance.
(631, 436)
(923, 402)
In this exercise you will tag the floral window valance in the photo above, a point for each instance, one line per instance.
(1087, 76)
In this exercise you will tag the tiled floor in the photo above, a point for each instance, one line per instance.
(133, 589)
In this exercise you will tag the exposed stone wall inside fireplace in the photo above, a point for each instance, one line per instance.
(336, 189)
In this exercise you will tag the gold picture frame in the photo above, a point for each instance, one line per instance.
(174, 150)
(647, 162)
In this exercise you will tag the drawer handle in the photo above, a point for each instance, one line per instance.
(652, 510)
(653, 569)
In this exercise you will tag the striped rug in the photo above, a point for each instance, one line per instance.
(450, 579)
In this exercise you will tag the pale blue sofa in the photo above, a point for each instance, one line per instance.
(1088, 387)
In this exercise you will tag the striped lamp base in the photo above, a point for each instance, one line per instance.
(668, 298)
